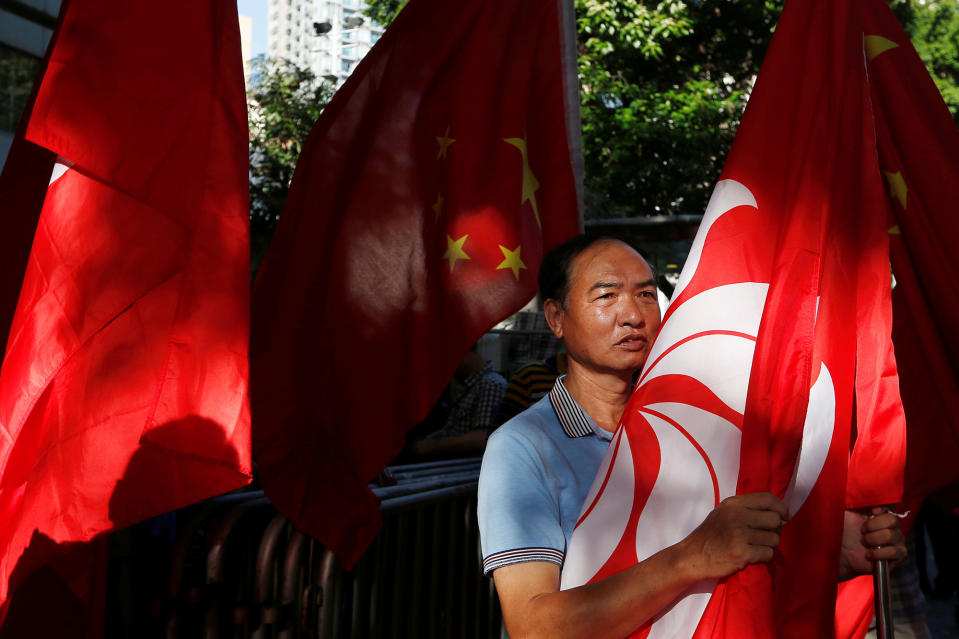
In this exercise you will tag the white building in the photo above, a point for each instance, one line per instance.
(329, 37)
(246, 45)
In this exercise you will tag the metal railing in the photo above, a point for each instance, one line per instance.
(237, 568)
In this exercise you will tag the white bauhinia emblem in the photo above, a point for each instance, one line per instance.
(707, 341)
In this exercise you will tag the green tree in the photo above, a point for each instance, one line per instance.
(284, 102)
(17, 72)
(662, 87)
(933, 27)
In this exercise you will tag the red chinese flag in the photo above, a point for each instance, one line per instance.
(919, 158)
(419, 212)
(779, 325)
(123, 392)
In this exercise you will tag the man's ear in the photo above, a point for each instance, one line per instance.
(554, 313)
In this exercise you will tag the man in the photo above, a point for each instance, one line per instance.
(601, 300)
(472, 414)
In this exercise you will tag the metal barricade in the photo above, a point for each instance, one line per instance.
(239, 569)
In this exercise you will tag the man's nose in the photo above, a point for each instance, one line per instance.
(631, 313)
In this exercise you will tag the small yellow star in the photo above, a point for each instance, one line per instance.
(438, 207)
(444, 143)
(894, 230)
(876, 45)
(530, 183)
(454, 250)
(897, 187)
(512, 260)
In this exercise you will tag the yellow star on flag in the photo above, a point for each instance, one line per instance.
(876, 45)
(438, 207)
(512, 260)
(454, 250)
(897, 186)
(894, 230)
(444, 143)
(530, 183)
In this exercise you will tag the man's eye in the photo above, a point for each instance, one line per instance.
(649, 294)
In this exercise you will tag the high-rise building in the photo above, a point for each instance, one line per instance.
(329, 37)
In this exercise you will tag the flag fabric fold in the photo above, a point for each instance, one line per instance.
(123, 390)
(421, 206)
(773, 369)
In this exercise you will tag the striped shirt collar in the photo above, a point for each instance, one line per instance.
(574, 420)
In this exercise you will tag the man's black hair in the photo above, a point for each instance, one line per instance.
(554, 272)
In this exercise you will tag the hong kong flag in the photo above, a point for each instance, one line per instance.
(780, 324)
(422, 203)
(123, 391)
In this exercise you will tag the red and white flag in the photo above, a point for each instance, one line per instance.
(780, 320)
(422, 204)
(123, 391)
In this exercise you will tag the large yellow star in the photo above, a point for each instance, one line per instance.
(512, 260)
(454, 250)
(530, 183)
(438, 207)
(876, 45)
(444, 143)
(897, 186)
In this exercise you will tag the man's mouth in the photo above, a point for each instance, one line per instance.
(633, 342)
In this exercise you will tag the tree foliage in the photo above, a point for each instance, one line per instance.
(18, 71)
(663, 84)
(933, 27)
(284, 102)
(662, 87)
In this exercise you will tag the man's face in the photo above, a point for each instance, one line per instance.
(612, 312)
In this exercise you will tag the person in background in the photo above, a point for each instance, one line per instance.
(472, 412)
(529, 384)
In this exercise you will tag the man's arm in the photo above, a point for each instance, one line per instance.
(742, 530)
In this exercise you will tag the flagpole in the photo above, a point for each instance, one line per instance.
(880, 585)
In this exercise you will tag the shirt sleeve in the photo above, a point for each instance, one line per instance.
(518, 514)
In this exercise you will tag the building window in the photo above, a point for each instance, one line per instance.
(346, 65)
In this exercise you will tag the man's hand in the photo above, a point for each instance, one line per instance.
(868, 536)
(742, 530)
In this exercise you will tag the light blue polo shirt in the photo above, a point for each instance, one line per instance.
(537, 469)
